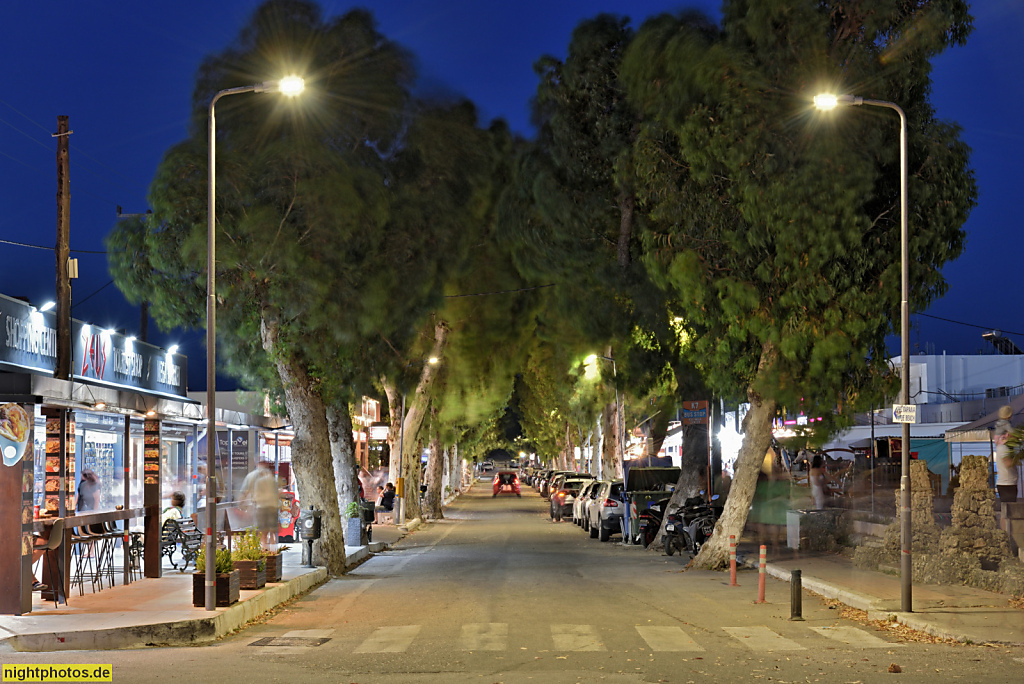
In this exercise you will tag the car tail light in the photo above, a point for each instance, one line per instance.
(609, 503)
(561, 495)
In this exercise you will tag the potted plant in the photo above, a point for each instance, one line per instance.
(227, 579)
(273, 560)
(249, 560)
(353, 525)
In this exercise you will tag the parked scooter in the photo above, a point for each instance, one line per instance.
(649, 521)
(688, 528)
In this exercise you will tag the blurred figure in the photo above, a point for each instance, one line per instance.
(259, 490)
(175, 510)
(1006, 477)
(816, 477)
(88, 492)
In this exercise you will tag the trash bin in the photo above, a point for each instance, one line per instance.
(366, 507)
(309, 524)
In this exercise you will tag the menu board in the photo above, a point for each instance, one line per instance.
(60, 467)
(151, 452)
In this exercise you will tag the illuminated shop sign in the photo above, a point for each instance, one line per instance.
(100, 356)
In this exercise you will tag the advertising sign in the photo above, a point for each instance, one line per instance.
(28, 341)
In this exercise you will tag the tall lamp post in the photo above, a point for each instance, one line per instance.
(827, 102)
(289, 86)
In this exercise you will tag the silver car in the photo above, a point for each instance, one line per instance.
(579, 510)
(606, 511)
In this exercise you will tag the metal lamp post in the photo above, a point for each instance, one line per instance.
(826, 102)
(289, 86)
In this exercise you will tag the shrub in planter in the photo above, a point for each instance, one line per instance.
(273, 560)
(227, 579)
(249, 559)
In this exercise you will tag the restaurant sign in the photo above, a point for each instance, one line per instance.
(99, 356)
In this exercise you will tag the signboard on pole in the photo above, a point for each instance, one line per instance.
(695, 413)
(904, 413)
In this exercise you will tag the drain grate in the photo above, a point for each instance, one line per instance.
(308, 642)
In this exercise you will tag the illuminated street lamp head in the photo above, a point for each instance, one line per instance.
(432, 360)
(827, 101)
(291, 86)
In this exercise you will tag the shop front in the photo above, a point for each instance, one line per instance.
(91, 452)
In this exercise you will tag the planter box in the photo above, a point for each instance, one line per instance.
(354, 535)
(227, 588)
(253, 573)
(273, 567)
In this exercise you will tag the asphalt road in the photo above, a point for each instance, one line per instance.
(498, 593)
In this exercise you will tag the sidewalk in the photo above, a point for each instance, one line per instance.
(948, 611)
(151, 612)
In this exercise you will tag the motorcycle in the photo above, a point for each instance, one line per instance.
(688, 528)
(649, 521)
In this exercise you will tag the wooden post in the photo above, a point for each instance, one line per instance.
(62, 370)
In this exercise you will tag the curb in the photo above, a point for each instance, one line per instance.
(176, 633)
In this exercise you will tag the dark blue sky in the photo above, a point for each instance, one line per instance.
(124, 72)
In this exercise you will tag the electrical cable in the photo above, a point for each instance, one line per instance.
(85, 299)
(49, 249)
(970, 325)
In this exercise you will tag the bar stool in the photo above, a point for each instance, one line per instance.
(52, 544)
(84, 551)
(134, 553)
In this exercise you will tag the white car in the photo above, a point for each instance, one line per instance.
(579, 510)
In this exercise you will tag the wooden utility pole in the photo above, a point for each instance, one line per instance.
(63, 250)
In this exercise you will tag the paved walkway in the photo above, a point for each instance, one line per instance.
(948, 611)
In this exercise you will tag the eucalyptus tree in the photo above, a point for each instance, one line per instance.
(315, 260)
(778, 231)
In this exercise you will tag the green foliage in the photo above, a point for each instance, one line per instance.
(224, 562)
(775, 227)
(352, 510)
(248, 547)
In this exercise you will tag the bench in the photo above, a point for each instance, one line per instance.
(181, 531)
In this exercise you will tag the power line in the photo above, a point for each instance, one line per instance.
(484, 294)
(970, 325)
(48, 249)
(85, 299)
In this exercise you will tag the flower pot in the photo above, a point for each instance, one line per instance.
(227, 588)
(354, 532)
(253, 573)
(273, 567)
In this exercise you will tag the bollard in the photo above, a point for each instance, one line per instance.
(796, 603)
(762, 561)
(732, 561)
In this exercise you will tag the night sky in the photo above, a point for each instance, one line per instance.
(124, 72)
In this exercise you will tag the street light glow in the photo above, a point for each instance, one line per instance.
(47, 306)
(825, 101)
(432, 360)
(291, 86)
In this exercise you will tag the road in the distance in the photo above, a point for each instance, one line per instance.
(498, 593)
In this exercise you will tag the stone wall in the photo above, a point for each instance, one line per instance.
(974, 531)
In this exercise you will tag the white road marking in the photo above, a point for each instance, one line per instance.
(484, 636)
(389, 639)
(667, 638)
(854, 637)
(762, 639)
(575, 638)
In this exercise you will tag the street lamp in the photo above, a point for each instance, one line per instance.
(826, 102)
(620, 422)
(288, 86)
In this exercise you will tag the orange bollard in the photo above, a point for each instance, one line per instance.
(732, 561)
(760, 574)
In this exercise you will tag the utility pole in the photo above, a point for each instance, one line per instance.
(63, 251)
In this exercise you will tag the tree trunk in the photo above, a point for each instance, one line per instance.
(627, 203)
(433, 498)
(693, 473)
(611, 468)
(416, 407)
(346, 471)
(757, 433)
(659, 425)
(311, 449)
(455, 476)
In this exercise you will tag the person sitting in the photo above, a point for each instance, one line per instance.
(174, 511)
(385, 501)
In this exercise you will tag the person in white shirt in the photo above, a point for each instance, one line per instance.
(1006, 470)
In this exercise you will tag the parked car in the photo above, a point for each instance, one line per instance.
(545, 485)
(563, 495)
(541, 477)
(606, 511)
(589, 503)
(578, 510)
(506, 481)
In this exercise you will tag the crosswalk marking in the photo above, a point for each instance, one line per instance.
(389, 639)
(575, 638)
(854, 637)
(762, 639)
(485, 636)
(667, 638)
